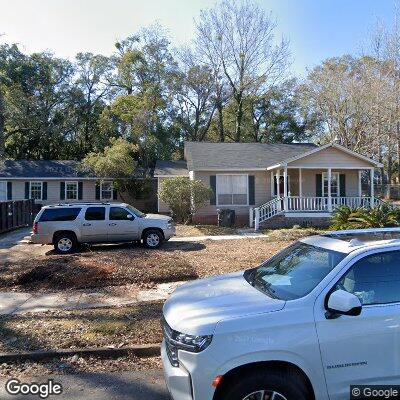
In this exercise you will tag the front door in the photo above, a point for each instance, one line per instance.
(122, 225)
(365, 349)
(94, 225)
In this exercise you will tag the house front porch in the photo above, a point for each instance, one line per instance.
(306, 192)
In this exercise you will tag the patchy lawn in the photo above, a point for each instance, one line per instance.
(121, 265)
(203, 230)
(101, 327)
(292, 234)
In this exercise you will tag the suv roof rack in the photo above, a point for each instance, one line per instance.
(83, 203)
(356, 232)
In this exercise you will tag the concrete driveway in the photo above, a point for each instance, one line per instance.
(144, 385)
(15, 246)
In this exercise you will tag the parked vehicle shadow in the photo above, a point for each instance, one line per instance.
(167, 246)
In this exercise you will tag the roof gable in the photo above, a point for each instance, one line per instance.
(350, 158)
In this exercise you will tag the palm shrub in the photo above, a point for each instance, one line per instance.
(362, 218)
(341, 217)
(378, 217)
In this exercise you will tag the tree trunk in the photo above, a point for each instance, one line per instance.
(221, 131)
(2, 123)
(239, 117)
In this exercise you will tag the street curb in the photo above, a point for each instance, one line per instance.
(146, 350)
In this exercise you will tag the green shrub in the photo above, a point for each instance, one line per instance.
(184, 197)
(362, 218)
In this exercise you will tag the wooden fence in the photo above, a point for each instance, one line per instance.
(16, 214)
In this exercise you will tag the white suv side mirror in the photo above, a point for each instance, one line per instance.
(341, 302)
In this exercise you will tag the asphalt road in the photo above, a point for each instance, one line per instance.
(146, 385)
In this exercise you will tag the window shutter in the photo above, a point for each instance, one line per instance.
(9, 190)
(342, 185)
(97, 190)
(115, 194)
(26, 190)
(213, 186)
(62, 190)
(318, 186)
(44, 190)
(80, 190)
(252, 194)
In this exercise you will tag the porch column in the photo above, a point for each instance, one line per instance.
(300, 182)
(277, 176)
(359, 183)
(329, 190)
(372, 170)
(272, 184)
(285, 193)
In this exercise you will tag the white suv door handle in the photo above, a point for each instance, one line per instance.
(112, 224)
(87, 224)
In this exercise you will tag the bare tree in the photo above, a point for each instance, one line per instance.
(237, 37)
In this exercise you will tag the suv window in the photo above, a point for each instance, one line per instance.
(95, 214)
(119, 213)
(374, 279)
(59, 214)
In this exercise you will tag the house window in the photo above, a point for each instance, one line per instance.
(71, 190)
(3, 191)
(335, 190)
(106, 190)
(36, 190)
(232, 190)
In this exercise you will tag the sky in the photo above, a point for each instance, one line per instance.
(317, 29)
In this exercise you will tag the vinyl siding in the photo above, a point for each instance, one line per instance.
(53, 190)
(331, 157)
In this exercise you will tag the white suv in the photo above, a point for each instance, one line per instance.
(317, 317)
(67, 225)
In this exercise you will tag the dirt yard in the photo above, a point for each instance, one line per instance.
(103, 266)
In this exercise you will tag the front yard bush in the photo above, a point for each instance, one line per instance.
(184, 197)
(362, 218)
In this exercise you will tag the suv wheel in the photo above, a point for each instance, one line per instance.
(152, 239)
(65, 243)
(267, 385)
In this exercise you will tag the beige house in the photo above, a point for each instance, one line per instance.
(299, 183)
(51, 182)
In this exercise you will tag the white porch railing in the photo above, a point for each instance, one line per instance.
(265, 212)
(297, 204)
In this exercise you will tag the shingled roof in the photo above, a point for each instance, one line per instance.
(240, 156)
(41, 169)
(171, 168)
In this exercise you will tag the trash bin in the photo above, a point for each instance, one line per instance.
(226, 217)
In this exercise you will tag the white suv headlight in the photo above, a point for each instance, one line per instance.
(175, 341)
(170, 223)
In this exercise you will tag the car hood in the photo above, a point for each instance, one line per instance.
(158, 216)
(195, 308)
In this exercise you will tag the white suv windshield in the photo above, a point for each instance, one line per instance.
(293, 272)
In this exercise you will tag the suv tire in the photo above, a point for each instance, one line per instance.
(286, 386)
(65, 243)
(152, 238)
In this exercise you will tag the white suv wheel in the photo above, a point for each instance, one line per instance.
(265, 395)
(153, 240)
(64, 244)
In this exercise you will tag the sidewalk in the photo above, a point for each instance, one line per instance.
(21, 303)
(243, 235)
